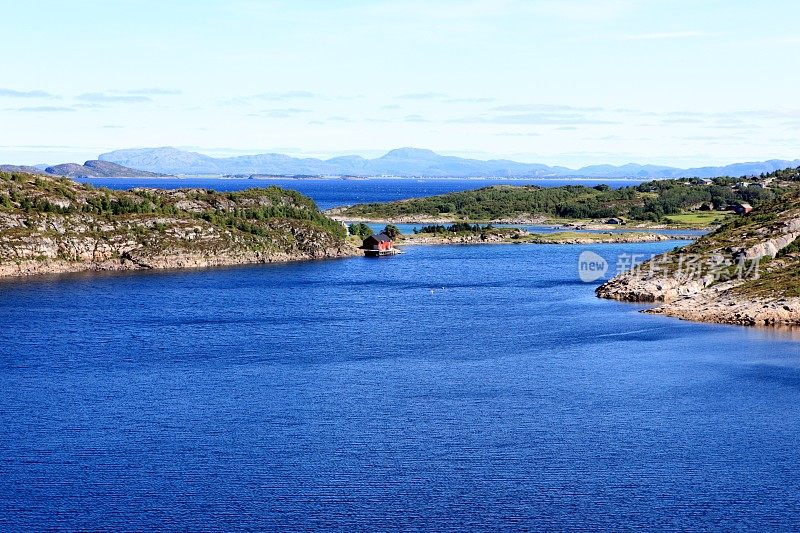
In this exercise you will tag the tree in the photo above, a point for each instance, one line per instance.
(392, 231)
(360, 230)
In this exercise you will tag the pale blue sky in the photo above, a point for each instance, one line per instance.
(559, 82)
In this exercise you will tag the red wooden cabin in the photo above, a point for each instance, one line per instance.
(380, 242)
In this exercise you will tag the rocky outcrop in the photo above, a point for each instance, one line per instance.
(642, 288)
(771, 247)
(721, 306)
(748, 273)
(55, 243)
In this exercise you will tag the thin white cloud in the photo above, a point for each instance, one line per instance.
(544, 118)
(104, 98)
(545, 108)
(477, 100)
(518, 134)
(287, 95)
(444, 98)
(43, 109)
(13, 93)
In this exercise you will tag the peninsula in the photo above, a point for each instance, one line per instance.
(54, 225)
(681, 203)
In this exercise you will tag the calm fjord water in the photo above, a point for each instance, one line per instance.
(463, 387)
(467, 387)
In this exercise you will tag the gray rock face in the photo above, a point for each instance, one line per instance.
(749, 277)
(785, 233)
(55, 225)
(702, 301)
(723, 307)
(637, 287)
(54, 243)
(771, 247)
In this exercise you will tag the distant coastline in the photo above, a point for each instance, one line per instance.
(407, 162)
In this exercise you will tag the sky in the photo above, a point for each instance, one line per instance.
(683, 82)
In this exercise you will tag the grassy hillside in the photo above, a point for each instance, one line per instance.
(752, 256)
(770, 237)
(49, 222)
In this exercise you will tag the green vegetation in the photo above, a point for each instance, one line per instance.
(654, 201)
(246, 211)
(701, 219)
(792, 249)
(59, 219)
(781, 282)
(360, 230)
(391, 231)
(722, 250)
(458, 227)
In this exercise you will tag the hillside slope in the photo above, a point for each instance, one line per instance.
(51, 225)
(746, 272)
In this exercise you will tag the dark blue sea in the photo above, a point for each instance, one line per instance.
(337, 192)
(452, 387)
(448, 388)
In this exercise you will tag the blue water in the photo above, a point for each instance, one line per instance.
(452, 387)
(337, 192)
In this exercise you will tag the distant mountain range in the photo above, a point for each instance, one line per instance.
(404, 162)
(90, 169)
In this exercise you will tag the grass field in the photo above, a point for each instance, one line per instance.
(697, 218)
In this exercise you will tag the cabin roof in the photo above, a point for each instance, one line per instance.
(381, 237)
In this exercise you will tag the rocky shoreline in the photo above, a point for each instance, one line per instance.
(748, 273)
(522, 237)
(532, 220)
(698, 302)
(62, 244)
(53, 225)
